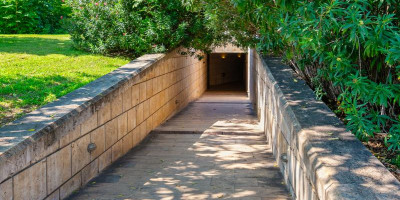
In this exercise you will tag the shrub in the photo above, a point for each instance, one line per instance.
(352, 49)
(32, 16)
(349, 51)
(134, 27)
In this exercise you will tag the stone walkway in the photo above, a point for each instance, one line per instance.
(213, 149)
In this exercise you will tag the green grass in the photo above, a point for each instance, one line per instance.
(38, 69)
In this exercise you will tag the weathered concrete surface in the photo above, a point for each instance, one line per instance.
(319, 158)
(215, 112)
(45, 154)
(229, 48)
(221, 161)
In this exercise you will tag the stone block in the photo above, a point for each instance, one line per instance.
(54, 196)
(98, 137)
(135, 95)
(162, 97)
(157, 69)
(169, 106)
(161, 82)
(156, 85)
(116, 105)
(159, 102)
(150, 73)
(170, 79)
(70, 186)
(168, 94)
(71, 136)
(146, 109)
(31, 183)
(104, 113)
(58, 168)
(122, 125)
(34, 152)
(139, 114)
(14, 164)
(6, 190)
(173, 77)
(111, 131)
(143, 91)
(149, 124)
(143, 130)
(173, 90)
(90, 171)
(80, 155)
(153, 105)
(42, 147)
(126, 99)
(105, 159)
(89, 124)
(127, 143)
(164, 112)
(167, 65)
(165, 81)
(136, 136)
(157, 118)
(149, 88)
(116, 150)
(145, 75)
(132, 119)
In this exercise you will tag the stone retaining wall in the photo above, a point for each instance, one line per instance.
(53, 151)
(318, 157)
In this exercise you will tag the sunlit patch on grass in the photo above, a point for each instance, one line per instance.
(50, 98)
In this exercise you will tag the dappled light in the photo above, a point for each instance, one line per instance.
(296, 91)
(186, 166)
(226, 157)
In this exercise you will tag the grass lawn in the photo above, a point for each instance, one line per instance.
(38, 69)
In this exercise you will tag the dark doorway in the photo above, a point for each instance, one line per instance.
(227, 71)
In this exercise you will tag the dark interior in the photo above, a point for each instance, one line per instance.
(227, 71)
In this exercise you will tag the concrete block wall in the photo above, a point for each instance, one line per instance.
(318, 157)
(45, 155)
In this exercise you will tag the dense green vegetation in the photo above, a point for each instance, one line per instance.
(37, 69)
(33, 16)
(135, 27)
(347, 50)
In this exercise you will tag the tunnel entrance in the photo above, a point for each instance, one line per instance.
(227, 72)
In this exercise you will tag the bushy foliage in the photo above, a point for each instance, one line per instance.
(32, 16)
(348, 50)
(135, 27)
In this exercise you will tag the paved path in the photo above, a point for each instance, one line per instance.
(225, 157)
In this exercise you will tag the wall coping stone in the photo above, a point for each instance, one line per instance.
(336, 163)
(43, 122)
